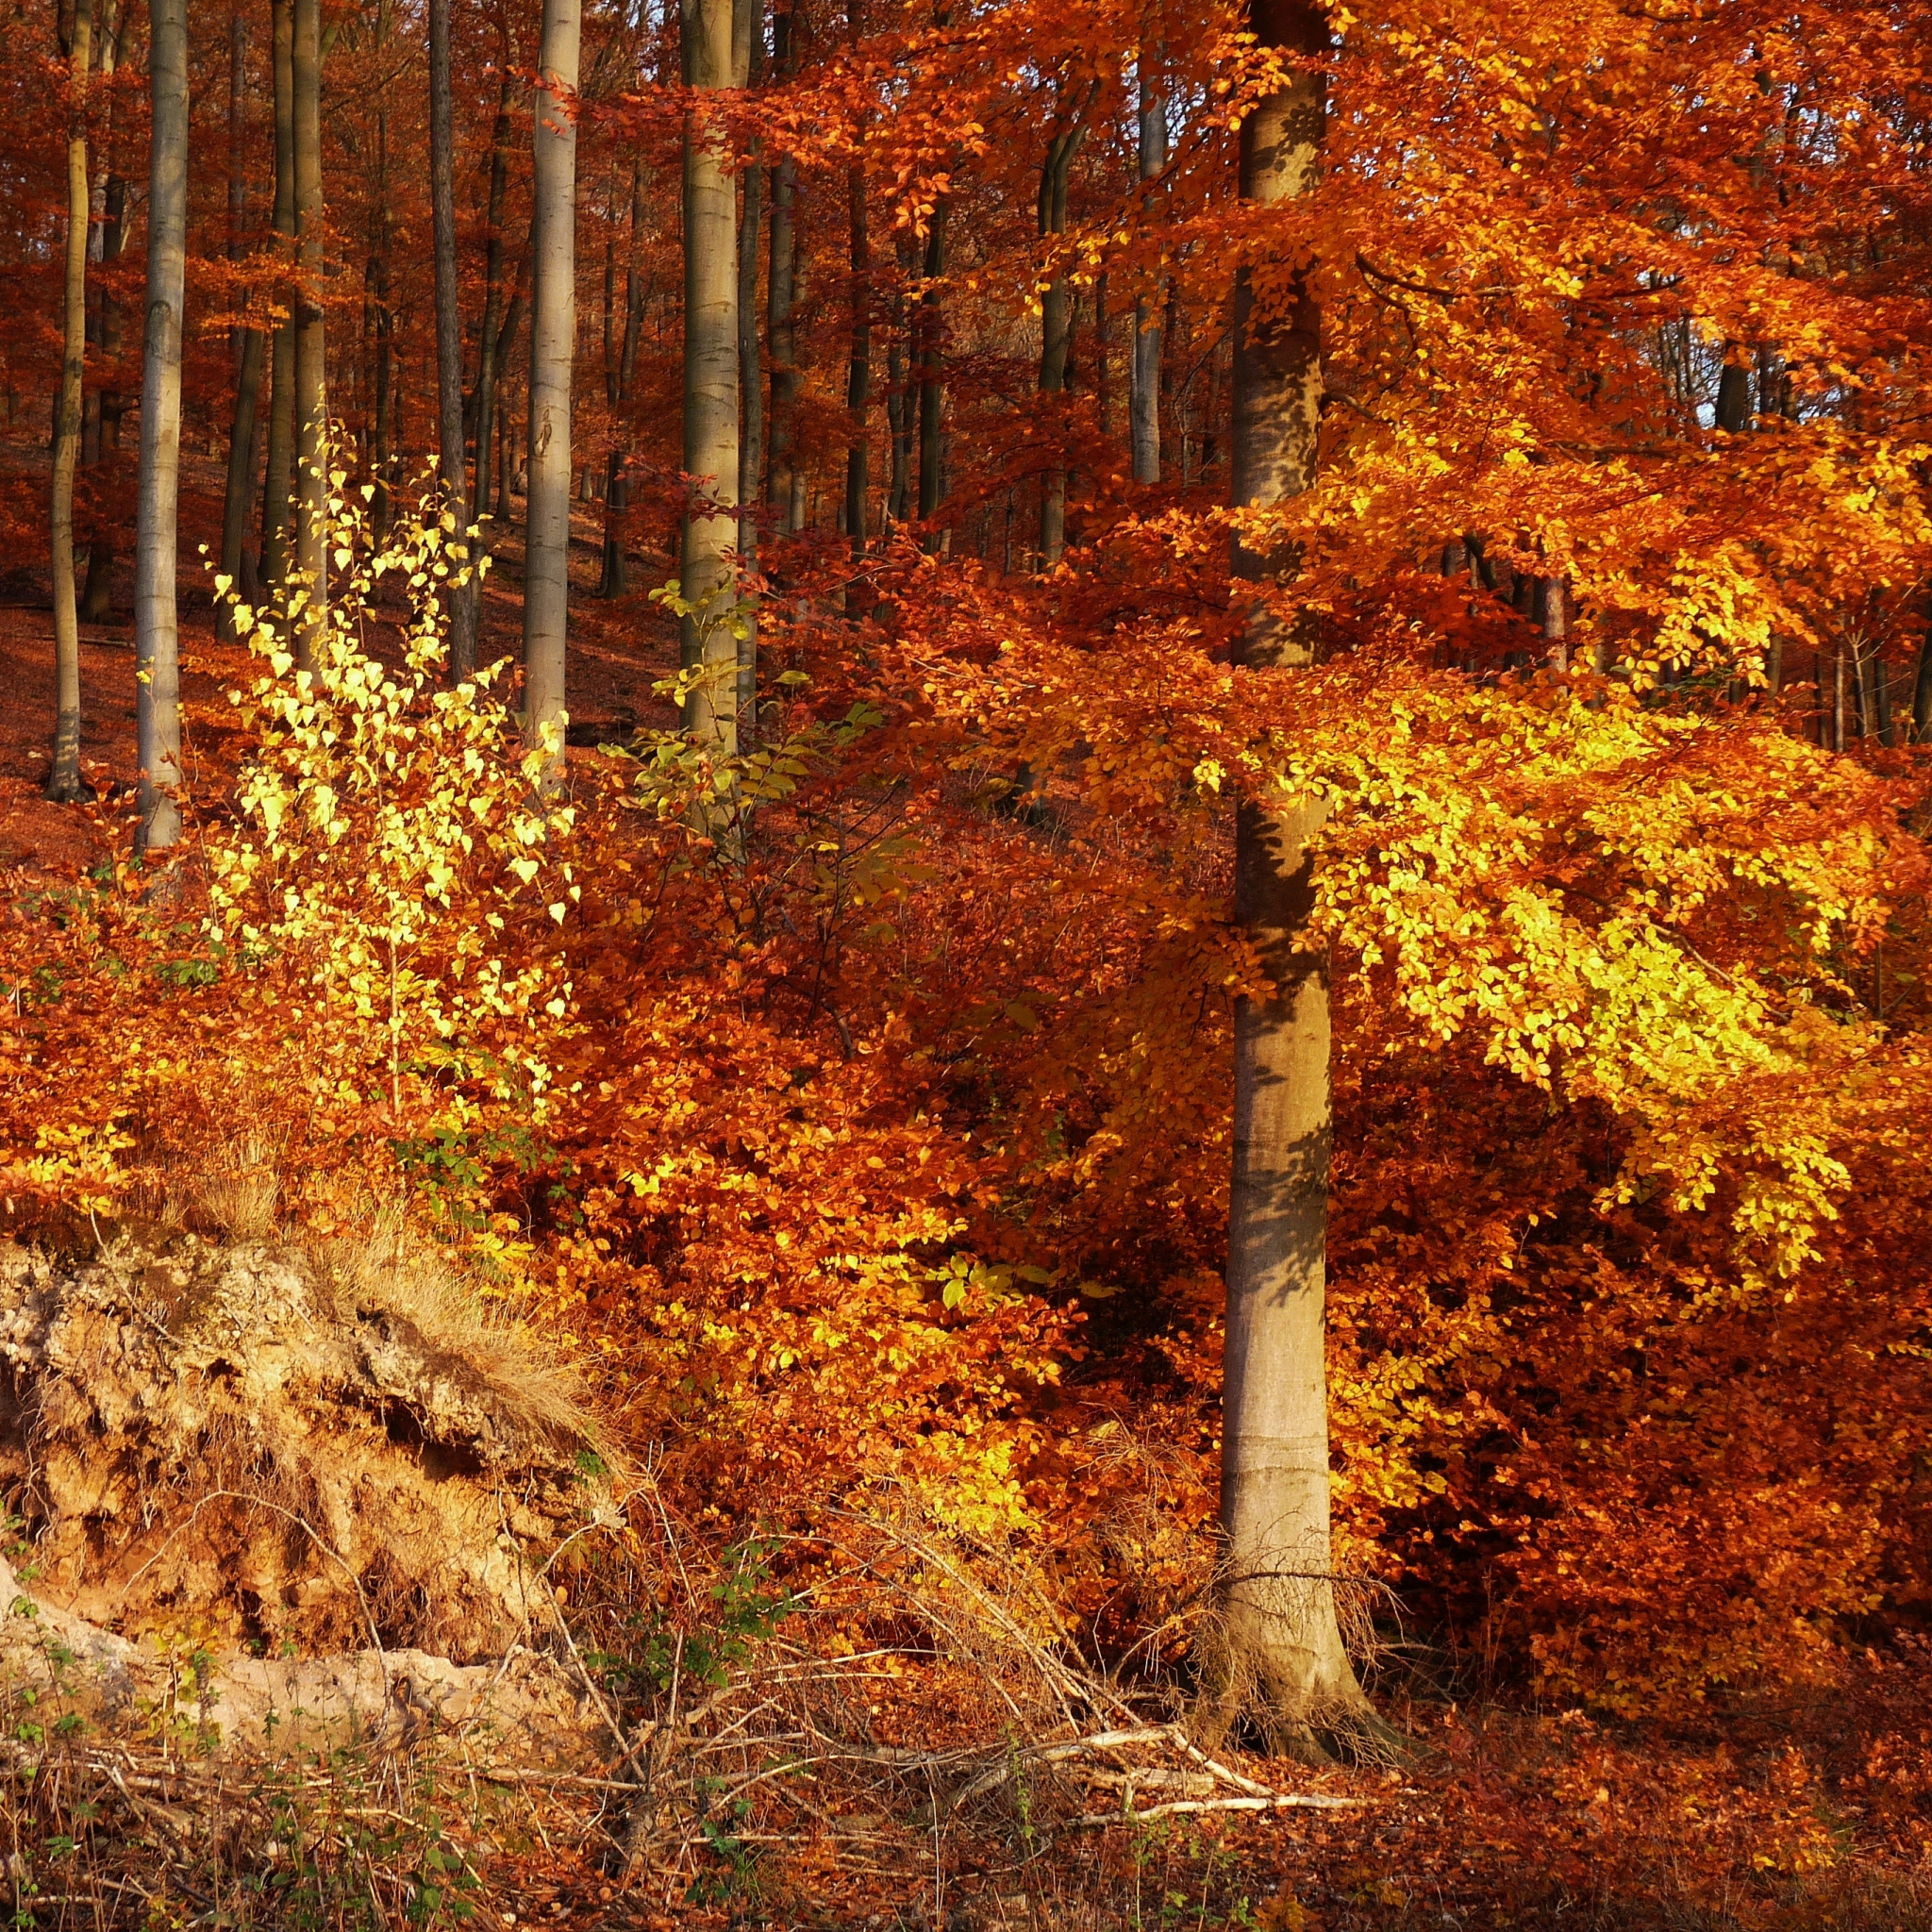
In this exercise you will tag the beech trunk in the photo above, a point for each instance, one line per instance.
(278, 488)
(63, 781)
(156, 654)
(1285, 1661)
(453, 459)
(1145, 409)
(709, 652)
(311, 384)
(238, 497)
(553, 343)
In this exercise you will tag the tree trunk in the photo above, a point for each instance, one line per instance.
(932, 393)
(63, 781)
(751, 392)
(157, 676)
(239, 496)
(1055, 339)
(781, 332)
(553, 345)
(1550, 608)
(279, 487)
(1145, 408)
(616, 578)
(488, 369)
(311, 384)
(1283, 1657)
(709, 652)
(858, 367)
(449, 339)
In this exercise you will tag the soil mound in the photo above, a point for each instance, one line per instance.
(282, 1451)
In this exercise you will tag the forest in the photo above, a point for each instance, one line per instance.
(963, 964)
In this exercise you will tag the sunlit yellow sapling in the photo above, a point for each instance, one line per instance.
(392, 855)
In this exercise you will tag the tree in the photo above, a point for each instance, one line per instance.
(157, 695)
(449, 335)
(1282, 1636)
(63, 781)
(1056, 329)
(1145, 408)
(553, 346)
(278, 484)
(238, 497)
(311, 360)
(706, 579)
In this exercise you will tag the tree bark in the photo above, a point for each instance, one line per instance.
(1146, 407)
(278, 488)
(157, 676)
(1055, 338)
(781, 331)
(932, 392)
(751, 390)
(311, 384)
(1284, 1656)
(238, 498)
(709, 652)
(859, 365)
(553, 346)
(616, 578)
(63, 781)
(488, 368)
(453, 459)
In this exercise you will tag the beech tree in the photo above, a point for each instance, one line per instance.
(63, 781)
(707, 577)
(453, 463)
(310, 401)
(156, 654)
(553, 347)
(1282, 1637)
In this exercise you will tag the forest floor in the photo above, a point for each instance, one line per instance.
(1812, 1811)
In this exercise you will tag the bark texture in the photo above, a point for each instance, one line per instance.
(63, 781)
(1285, 1660)
(709, 652)
(312, 383)
(156, 654)
(1056, 336)
(553, 345)
(1145, 409)
(449, 338)
(240, 489)
(279, 485)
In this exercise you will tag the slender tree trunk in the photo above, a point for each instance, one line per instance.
(157, 677)
(553, 346)
(311, 384)
(279, 485)
(96, 596)
(901, 409)
(63, 781)
(1055, 339)
(750, 389)
(1733, 395)
(709, 652)
(932, 392)
(616, 578)
(449, 339)
(1284, 1656)
(239, 496)
(487, 365)
(781, 333)
(858, 367)
(1145, 408)
(1550, 608)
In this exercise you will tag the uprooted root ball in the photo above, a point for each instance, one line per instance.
(291, 1448)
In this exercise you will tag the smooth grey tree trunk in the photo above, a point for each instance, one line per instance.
(449, 336)
(312, 383)
(781, 333)
(238, 497)
(486, 368)
(858, 364)
(553, 345)
(1144, 409)
(1055, 337)
(279, 487)
(157, 654)
(932, 390)
(710, 390)
(63, 779)
(750, 389)
(1285, 1661)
